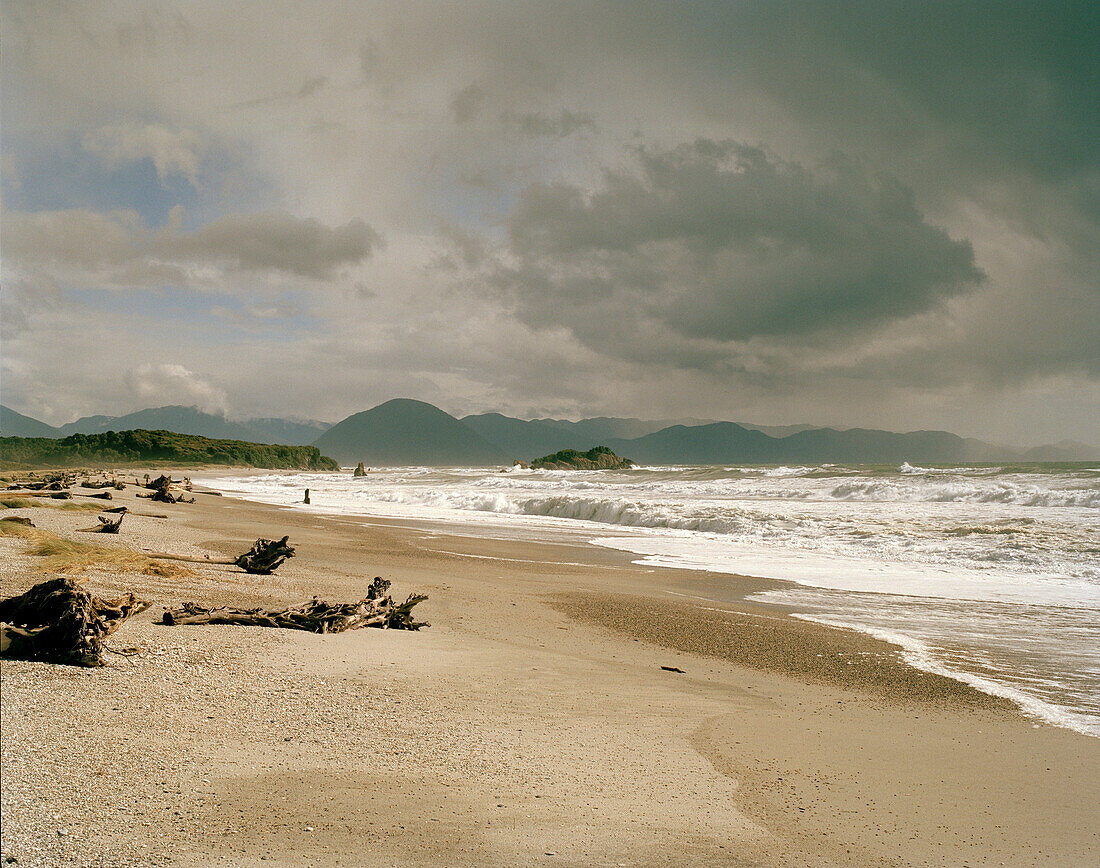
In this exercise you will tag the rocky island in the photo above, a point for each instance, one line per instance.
(597, 458)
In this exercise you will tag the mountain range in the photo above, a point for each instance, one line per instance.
(404, 431)
(181, 420)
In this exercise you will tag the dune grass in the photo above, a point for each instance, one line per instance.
(61, 555)
(46, 503)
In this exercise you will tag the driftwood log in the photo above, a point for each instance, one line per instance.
(124, 510)
(263, 558)
(59, 622)
(18, 519)
(377, 609)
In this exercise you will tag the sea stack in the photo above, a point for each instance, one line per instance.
(360, 470)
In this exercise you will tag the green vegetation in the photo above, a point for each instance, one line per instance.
(147, 447)
(596, 458)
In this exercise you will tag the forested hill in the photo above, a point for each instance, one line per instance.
(141, 446)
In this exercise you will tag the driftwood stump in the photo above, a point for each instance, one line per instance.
(59, 622)
(106, 525)
(265, 556)
(377, 609)
(162, 491)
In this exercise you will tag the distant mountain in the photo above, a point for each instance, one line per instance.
(777, 430)
(286, 431)
(394, 429)
(862, 445)
(182, 420)
(191, 420)
(1063, 450)
(719, 443)
(13, 424)
(403, 431)
(523, 439)
(727, 443)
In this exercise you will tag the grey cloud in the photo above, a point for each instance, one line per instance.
(715, 241)
(120, 249)
(276, 241)
(558, 126)
(368, 58)
(466, 105)
(75, 238)
(312, 85)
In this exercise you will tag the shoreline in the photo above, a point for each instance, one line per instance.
(538, 686)
(717, 590)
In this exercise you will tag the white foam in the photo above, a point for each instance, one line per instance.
(918, 655)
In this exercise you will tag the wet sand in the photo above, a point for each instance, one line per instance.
(531, 724)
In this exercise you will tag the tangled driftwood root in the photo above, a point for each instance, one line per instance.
(59, 622)
(265, 556)
(377, 610)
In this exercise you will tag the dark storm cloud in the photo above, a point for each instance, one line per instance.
(1011, 81)
(718, 241)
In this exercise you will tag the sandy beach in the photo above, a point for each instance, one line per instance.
(531, 724)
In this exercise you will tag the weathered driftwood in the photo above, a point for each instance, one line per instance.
(102, 495)
(18, 519)
(263, 558)
(47, 482)
(162, 491)
(106, 525)
(377, 609)
(59, 622)
(53, 495)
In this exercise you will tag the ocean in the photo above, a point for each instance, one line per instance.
(987, 574)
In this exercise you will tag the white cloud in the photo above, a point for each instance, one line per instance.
(172, 152)
(164, 384)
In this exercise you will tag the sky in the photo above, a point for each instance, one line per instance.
(869, 214)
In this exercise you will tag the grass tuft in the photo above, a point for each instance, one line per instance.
(61, 555)
(45, 503)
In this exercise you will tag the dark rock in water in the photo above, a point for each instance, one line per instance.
(597, 458)
(360, 470)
